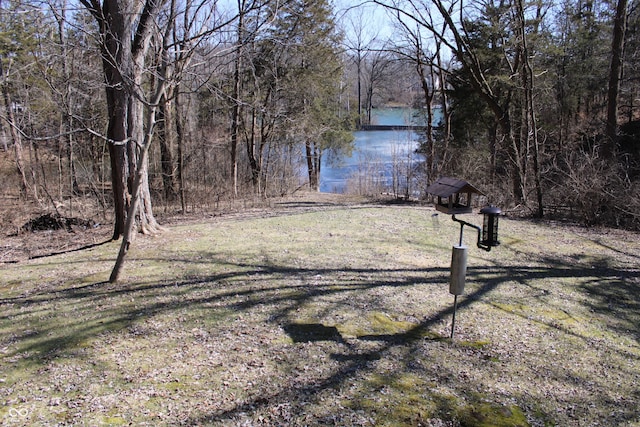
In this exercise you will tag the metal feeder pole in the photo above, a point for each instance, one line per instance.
(459, 269)
(458, 274)
(453, 320)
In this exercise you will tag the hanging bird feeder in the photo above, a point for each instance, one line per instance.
(454, 197)
(490, 226)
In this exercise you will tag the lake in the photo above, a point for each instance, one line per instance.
(374, 153)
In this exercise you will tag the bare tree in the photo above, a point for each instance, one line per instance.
(7, 56)
(130, 131)
(16, 138)
(457, 41)
(125, 29)
(235, 96)
(425, 54)
(360, 40)
(531, 123)
(615, 74)
(378, 72)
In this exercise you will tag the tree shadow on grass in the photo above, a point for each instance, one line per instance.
(312, 332)
(68, 251)
(613, 289)
(49, 340)
(247, 286)
(354, 364)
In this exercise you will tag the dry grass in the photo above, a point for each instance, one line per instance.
(338, 316)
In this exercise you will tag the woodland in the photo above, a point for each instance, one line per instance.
(111, 108)
(199, 127)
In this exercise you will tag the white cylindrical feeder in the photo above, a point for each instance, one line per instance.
(458, 270)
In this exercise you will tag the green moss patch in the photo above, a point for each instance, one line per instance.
(339, 316)
(491, 415)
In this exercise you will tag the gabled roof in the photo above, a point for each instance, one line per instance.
(446, 187)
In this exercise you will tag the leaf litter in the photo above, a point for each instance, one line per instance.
(333, 316)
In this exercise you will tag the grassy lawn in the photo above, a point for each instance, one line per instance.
(339, 316)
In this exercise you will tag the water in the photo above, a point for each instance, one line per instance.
(374, 153)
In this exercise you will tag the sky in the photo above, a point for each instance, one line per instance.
(373, 19)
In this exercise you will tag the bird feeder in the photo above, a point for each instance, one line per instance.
(454, 197)
(490, 226)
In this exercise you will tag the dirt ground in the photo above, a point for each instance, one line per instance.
(88, 226)
(305, 311)
(315, 309)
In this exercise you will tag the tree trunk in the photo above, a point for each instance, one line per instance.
(118, 161)
(428, 93)
(140, 134)
(165, 138)
(66, 119)
(615, 72)
(446, 116)
(129, 232)
(148, 223)
(235, 99)
(140, 200)
(116, 63)
(313, 165)
(180, 136)
(123, 65)
(117, 135)
(517, 152)
(359, 83)
(15, 136)
(252, 152)
(531, 125)
(73, 175)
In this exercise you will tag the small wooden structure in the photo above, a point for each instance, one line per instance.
(454, 195)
